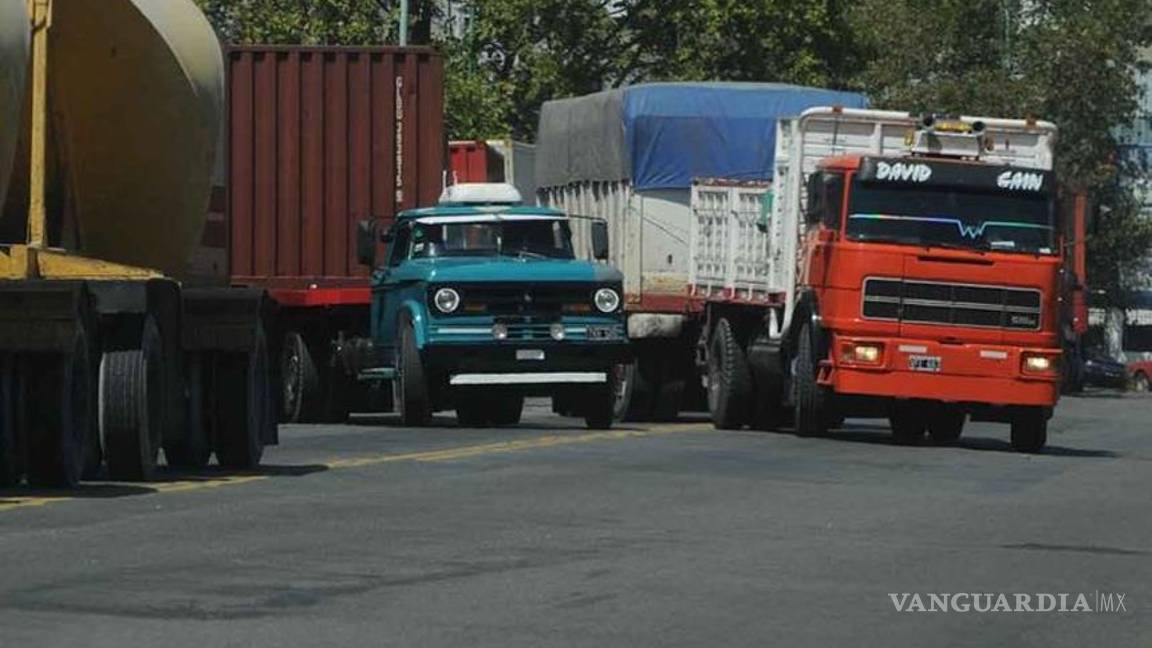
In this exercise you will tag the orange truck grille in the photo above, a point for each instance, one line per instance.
(927, 302)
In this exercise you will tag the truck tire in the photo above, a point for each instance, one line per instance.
(598, 403)
(636, 389)
(909, 423)
(195, 448)
(244, 405)
(299, 381)
(414, 400)
(729, 379)
(11, 415)
(1030, 431)
(769, 411)
(59, 413)
(946, 425)
(132, 398)
(811, 415)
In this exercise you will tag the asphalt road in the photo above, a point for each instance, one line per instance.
(551, 535)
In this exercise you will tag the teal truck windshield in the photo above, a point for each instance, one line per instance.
(952, 217)
(548, 238)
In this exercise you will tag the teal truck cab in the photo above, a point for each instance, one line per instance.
(481, 301)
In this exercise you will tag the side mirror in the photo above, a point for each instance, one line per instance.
(600, 240)
(366, 238)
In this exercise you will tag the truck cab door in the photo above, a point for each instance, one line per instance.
(822, 219)
(384, 282)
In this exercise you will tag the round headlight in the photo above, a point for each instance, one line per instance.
(447, 300)
(607, 300)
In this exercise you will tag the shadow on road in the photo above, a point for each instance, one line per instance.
(84, 491)
(163, 480)
(215, 472)
(882, 435)
(1105, 394)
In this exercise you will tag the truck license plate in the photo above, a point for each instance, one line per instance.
(529, 354)
(924, 363)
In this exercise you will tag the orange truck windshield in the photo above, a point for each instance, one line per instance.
(951, 218)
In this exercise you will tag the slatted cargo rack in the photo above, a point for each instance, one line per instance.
(729, 246)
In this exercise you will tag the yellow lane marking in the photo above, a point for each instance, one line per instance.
(444, 454)
(182, 486)
(143, 488)
(464, 452)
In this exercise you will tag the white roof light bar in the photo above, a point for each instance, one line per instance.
(481, 193)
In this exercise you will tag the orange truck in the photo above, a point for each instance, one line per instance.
(907, 267)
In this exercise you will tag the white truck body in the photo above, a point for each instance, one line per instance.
(649, 232)
(519, 165)
(733, 260)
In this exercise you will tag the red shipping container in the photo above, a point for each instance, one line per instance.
(318, 139)
(472, 161)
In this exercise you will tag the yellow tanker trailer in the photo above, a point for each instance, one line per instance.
(110, 115)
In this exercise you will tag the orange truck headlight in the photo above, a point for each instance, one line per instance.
(862, 353)
(1036, 363)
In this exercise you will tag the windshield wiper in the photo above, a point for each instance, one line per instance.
(522, 253)
(974, 247)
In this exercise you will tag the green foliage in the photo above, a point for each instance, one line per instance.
(796, 41)
(1069, 61)
(535, 50)
(529, 51)
(1118, 244)
(302, 22)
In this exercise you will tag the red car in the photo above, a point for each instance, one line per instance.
(1141, 374)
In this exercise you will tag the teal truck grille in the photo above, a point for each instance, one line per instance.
(525, 300)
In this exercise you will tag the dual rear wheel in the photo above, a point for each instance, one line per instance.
(222, 405)
(911, 421)
(47, 414)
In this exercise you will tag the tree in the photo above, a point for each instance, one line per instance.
(1070, 61)
(316, 22)
(808, 42)
(535, 50)
(529, 51)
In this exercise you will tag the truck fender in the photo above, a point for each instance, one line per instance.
(807, 311)
(418, 312)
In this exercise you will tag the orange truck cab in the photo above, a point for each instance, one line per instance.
(914, 273)
(936, 283)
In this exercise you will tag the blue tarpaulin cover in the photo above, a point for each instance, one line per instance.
(663, 135)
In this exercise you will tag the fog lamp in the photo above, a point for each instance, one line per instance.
(1037, 363)
(863, 353)
(557, 331)
(500, 331)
